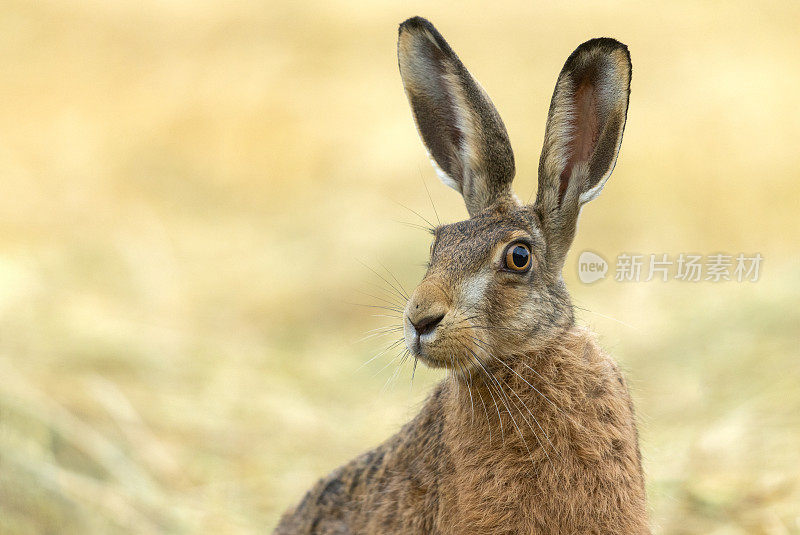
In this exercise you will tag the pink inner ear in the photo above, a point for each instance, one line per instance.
(585, 125)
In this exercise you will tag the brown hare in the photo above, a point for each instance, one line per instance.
(533, 429)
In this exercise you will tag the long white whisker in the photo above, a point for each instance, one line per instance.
(382, 352)
(489, 387)
(521, 377)
(469, 390)
(503, 398)
(388, 364)
(393, 377)
(486, 412)
(500, 388)
(385, 332)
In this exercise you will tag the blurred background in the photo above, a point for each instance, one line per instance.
(191, 190)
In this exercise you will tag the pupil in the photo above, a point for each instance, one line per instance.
(519, 256)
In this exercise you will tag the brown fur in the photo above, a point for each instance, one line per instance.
(443, 474)
(533, 429)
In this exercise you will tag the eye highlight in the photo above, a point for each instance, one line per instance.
(518, 257)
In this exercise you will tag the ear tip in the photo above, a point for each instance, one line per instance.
(589, 52)
(415, 23)
(616, 47)
(604, 45)
(419, 30)
(607, 43)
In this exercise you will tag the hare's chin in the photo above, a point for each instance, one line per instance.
(427, 355)
(430, 360)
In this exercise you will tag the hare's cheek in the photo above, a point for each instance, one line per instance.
(473, 292)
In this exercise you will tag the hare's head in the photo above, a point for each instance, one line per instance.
(493, 285)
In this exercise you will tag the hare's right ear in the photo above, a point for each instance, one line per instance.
(465, 137)
(582, 138)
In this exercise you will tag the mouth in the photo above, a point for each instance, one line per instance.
(419, 345)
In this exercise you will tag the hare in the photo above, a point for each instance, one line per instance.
(533, 429)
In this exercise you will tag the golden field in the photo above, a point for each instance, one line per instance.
(190, 190)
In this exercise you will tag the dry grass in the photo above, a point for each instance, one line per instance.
(188, 189)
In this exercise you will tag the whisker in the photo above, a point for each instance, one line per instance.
(521, 402)
(394, 278)
(460, 327)
(536, 421)
(521, 377)
(388, 294)
(404, 358)
(489, 387)
(415, 213)
(387, 331)
(471, 405)
(454, 374)
(375, 306)
(537, 391)
(605, 316)
(382, 352)
(486, 412)
(413, 371)
(413, 225)
(519, 431)
(387, 364)
(429, 196)
(393, 377)
(396, 304)
(385, 328)
(536, 436)
(384, 279)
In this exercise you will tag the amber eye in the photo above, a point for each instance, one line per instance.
(518, 257)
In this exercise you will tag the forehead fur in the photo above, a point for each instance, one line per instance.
(470, 242)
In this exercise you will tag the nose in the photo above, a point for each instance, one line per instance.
(425, 310)
(426, 324)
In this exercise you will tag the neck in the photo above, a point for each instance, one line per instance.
(536, 421)
(532, 403)
(566, 403)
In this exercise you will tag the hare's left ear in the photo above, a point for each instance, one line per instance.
(465, 137)
(582, 138)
